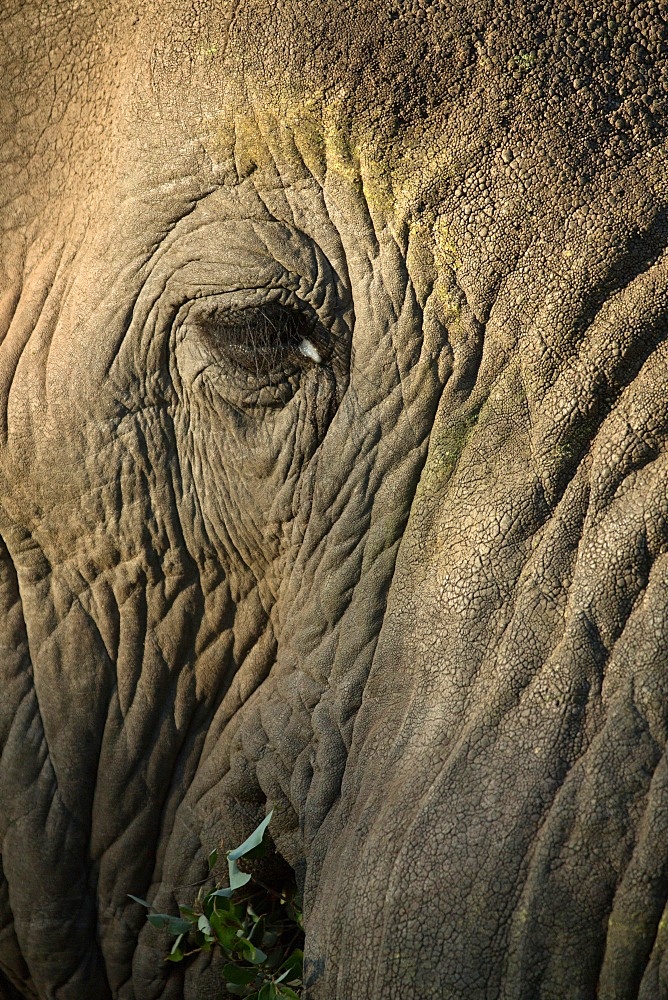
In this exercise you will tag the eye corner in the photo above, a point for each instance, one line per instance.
(309, 350)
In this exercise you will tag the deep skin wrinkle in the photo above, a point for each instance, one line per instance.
(408, 590)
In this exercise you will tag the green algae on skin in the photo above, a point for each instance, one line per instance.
(446, 447)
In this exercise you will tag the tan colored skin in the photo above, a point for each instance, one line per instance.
(417, 604)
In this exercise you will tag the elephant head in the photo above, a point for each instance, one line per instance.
(334, 480)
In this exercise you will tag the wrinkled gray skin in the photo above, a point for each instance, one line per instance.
(407, 585)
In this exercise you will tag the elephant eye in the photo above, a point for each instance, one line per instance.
(265, 343)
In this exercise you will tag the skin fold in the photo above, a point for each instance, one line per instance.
(334, 480)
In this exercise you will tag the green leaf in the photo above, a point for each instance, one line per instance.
(225, 918)
(285, 991)
(250, 952)
(165, 922)
(244, 947)
(225, 909)
(220, 902)
(274, 958)
(268, 992)
(175, 956)
(188, 913)
(227, 939)
(213, 859)
(203, 940)
(237, 877)
(142, 902)
(294, 964)
(204, 926)
(257, 930)
(235, 974)
(254, 840)
(220, 894)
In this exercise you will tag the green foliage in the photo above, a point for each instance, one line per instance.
(258, 930)
(524, 61)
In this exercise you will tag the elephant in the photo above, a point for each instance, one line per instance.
(334, 481)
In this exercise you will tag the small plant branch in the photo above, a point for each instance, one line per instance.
(257, 930)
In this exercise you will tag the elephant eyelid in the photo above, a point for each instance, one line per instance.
(264, 343)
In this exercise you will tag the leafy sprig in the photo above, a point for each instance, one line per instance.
(258, 929)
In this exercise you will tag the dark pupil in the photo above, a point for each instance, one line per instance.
(261, 340)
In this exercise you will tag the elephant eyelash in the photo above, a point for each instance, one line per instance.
(264, 342)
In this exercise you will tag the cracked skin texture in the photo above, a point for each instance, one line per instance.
(413, 596)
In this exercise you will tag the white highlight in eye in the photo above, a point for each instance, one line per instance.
(309, 351)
